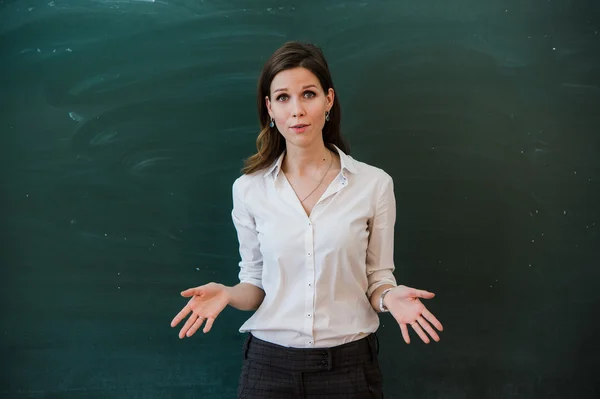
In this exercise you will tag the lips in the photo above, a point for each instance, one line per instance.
(299, 128)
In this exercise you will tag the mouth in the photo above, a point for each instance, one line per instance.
(299, 128)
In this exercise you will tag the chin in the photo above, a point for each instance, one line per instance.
(303, 142)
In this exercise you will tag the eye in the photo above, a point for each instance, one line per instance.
(282, 97)
(309, 94)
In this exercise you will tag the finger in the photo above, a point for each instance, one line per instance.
(194, 327)
(209, 324)
(432, 319)
(415, 325)
(423, 323)
(405, 333)
(189, 323)
(180, 316)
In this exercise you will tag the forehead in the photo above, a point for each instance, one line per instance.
(295, 78)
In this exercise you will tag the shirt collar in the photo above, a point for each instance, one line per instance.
(275, 166)
(347, 162)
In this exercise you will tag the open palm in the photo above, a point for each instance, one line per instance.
(206, 302)
(405, 305)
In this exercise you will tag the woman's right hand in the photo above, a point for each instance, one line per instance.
(206, 302)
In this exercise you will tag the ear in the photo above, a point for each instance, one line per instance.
(330, 97)
(268, 104)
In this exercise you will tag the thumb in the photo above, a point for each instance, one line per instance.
(191, 292)
(422, 294)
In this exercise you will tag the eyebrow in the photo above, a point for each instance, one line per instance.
(303, 88)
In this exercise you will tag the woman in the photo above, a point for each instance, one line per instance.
(316, 235)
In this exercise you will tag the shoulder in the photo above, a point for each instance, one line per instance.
(376, 181)
(368, 172)
(245, 182)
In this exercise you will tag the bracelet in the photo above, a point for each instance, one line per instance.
(382, 307)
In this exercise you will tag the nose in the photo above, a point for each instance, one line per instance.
(297, 109)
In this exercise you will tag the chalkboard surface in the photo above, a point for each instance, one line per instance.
(124, 123)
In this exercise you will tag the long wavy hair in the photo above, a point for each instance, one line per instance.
(269, 143)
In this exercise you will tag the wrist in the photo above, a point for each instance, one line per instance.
(382, 300)
(228, 293)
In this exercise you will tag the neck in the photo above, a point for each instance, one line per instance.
(301, 161)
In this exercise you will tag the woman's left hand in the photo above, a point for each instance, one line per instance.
(404, 304)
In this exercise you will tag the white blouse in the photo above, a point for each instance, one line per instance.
(317, 272)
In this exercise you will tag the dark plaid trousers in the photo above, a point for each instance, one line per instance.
(348, 371)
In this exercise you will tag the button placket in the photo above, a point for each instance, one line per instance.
(310, 278)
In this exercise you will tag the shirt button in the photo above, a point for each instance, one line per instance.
(310, 342)
(308, 315)
(309, 284)
(309, 224)
(309, 254)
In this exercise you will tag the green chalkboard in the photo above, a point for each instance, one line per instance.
(123, 125)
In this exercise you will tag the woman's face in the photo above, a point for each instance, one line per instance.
(298, 104)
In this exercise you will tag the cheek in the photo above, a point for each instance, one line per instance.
(320, 105)
(280, 115)
(318, 112)
(279, 112)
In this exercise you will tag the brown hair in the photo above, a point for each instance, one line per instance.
(269, 143)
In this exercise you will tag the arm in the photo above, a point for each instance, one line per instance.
(249, 293)
(207, 301)
(244, 296)
(403, 302)
(380, 250)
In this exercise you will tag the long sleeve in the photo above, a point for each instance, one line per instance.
(251, 263)
(380, 249)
